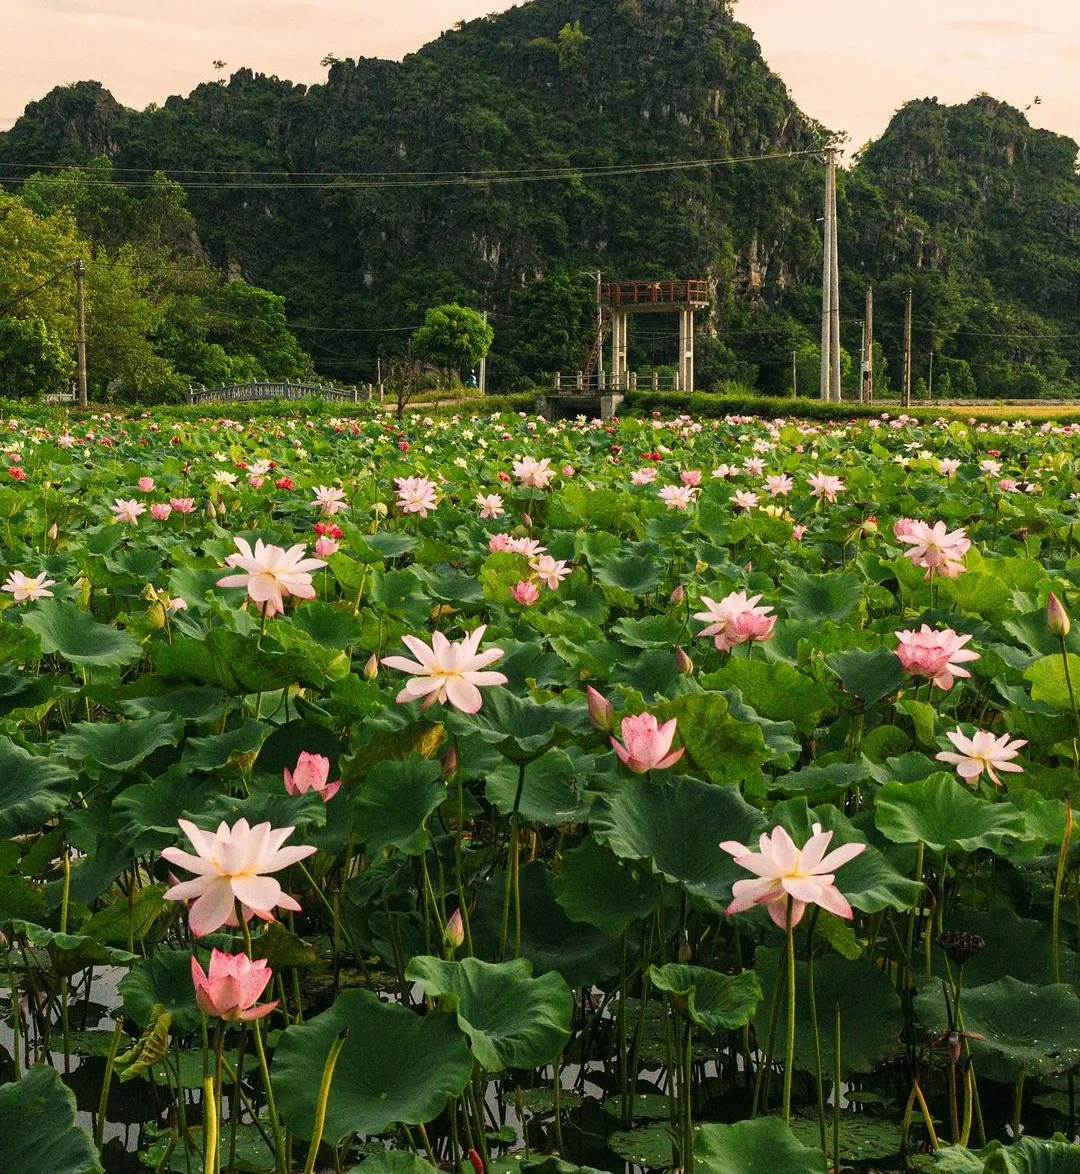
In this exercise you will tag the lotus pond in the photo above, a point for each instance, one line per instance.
(485, 794)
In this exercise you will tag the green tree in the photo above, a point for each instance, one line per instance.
(33, 361)
(452, 337)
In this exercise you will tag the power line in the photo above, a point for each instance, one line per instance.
(369, 181)
(30, 292)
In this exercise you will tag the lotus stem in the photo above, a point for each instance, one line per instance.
(925, 1110)
(264, 1069)
(816, 1034)
(323, 1098)
(1018, 1101)
(836, 1090)
(512, 884)
(1059, 880)
(110, 1061)
(210, 1125)
(789, 1055)
(1072, 702)
(969, 1104)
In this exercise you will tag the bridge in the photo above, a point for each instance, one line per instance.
(253, 392)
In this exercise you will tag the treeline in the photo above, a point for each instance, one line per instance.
(506, 163)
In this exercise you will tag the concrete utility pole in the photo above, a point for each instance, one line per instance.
(834, 289)
(80, 330)
(826, 283)
(830, 289)
(867, 394)
(905, 397)
(794, 375)
(483, 367)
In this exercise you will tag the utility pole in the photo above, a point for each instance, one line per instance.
(868, 371)
(794, 376)
(483, 367)
(834, 289)
(930, 382)
(826, 283)
(80, 329)
(905, 395)
(862, 362)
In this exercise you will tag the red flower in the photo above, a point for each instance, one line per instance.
(283, 483)
(17, 473)
(403, 445)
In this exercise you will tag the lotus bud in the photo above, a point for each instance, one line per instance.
(685, 953)
(1057, 618)
(454, 934)
(477, 1162)
(83, 591)
(371, 667)
(870, 526)
(527, 520)
(449, 761)
(678, 595)
(210, 509)
(53, 531)
(683, 663)
(601, 711)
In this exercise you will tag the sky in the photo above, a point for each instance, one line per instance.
(847, 63)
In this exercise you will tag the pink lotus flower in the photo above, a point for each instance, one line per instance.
(754, 466)
(311, 773)
(127, 512)
(324, 547)
(903, 528)
(643, 476)
(491, 505)
(183, 505)
(416, 495)
(937, 655)
(160, 511)
(525, 593)
(677, 497)
(646, 745)
(690, 477)
(271, 572)
(981, 752)
(232, 987)
(743, 499)
(935, 547)
(735, 619)
(797, 532)
(783, 871)
(550, 571)
(533, 474)
(601, 711)
(23, 588)
(779, 486)
(256, 480)
(822, 485)
(229, 866)
(329, 501)
(146, 484)
(447, 672)
(499, 543)
(529, 547)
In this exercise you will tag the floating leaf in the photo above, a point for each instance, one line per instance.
(751, 1147)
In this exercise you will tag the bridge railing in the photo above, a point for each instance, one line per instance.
(578, 382)
(253, 392)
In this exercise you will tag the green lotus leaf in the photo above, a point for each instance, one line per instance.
(165, 978)
(1028, 1155)
(18, 644)
(156, 806)
(942, 814)
(715, 1001)
(868, 675)
(235, 662)
(776, 690)
(1036, 1028)
(327, 626)
(512, 1019)
(392, 1162)
(820, 597)
(520, 727)
(392, 804)
(71, 952)
(37, 1123)
(751, 1147)
(553, 793)
(66, 629)
(394, 1067)
(220, 750)
(32, 789)
(594, 885)
(676, 825)
(119, 746)
(1048, 681)
(871, 1015)
(862, 1138)
(649, 1146)
(127, 921)
(717, 743)
(628, 571)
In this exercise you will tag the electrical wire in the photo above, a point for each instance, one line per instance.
(30, 292)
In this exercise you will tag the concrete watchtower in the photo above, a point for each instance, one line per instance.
(620, 299)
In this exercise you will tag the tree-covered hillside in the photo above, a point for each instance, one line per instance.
(502, 165)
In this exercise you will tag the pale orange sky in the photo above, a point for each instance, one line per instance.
(848, 63)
